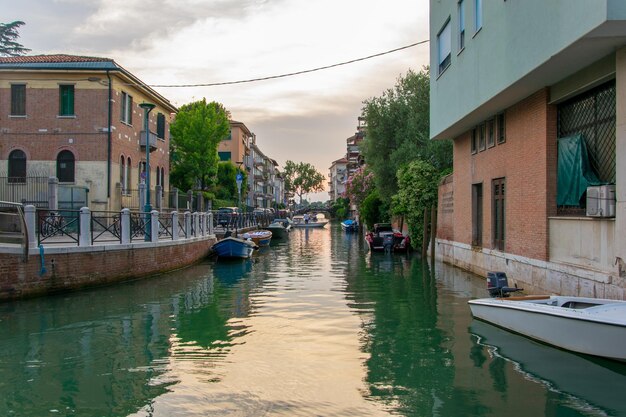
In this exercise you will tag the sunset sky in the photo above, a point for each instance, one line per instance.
(301, 118)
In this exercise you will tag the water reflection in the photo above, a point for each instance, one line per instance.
(312, 326)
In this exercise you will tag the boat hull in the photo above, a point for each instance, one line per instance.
(234, 248)
(589, 330)
(278, 232)
(310, 225)
(261, 237)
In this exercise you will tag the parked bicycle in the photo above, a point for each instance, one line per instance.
(52, 224)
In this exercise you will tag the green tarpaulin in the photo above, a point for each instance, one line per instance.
(574, 172)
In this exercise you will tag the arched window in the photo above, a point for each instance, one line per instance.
(158, 176)
(163, 177)
(17, 166)
(65, 166)
(128, 173)
(123, 173)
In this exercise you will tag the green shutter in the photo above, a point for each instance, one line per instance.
(66, 96)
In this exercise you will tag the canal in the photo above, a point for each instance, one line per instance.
(313, 326)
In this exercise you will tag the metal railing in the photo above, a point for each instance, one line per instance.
(63, 226)
(25, 190)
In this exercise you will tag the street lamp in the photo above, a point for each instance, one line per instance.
(147, 108)
(239, 181)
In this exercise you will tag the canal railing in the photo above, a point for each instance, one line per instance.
(85, 227)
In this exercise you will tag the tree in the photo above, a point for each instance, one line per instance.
(417, 190)
(197, 131)
(226, 185)
(360, 185)
(8, 35)
(302, 178)
(398, 132)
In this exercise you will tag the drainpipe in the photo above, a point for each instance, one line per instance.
(109, 141)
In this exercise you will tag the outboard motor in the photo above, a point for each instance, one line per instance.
(498, 285)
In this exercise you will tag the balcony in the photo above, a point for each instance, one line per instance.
(152, 138)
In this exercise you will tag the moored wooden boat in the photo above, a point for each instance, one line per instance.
(587, 325)
(260, 237)
(349, 225)
(383, 238)
(233, 247)
(280, 228)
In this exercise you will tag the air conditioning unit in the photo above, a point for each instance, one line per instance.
(601, 201)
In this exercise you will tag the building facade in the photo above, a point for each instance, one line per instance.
(78, 118)
(338, 174)
(515, 85)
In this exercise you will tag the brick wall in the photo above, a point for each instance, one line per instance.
(445, 209)
(70, 270)
(527, 160)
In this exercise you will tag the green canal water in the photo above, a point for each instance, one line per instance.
(313, 326)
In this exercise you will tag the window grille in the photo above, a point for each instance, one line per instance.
(593, 115)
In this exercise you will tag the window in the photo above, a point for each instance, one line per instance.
(142, 172)
(162, 177)
(498, 199)
(224, 156)
(482, 128)
(475, 140)
(127, 174)
(461, 25)
(18, 99)
(66, 100)
(158, 176)
(478, 15)
(127, 108)
(65, 166)
(161, 126)
(477, 214)
(17, 166)
(491, 132)
(593, 114)
(230, 135)
(501, 128)
(122, 172)
(444, 44)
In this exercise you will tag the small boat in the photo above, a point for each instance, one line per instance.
(280, 228)
(300, 221)
(593, 326)
(233, 247)
(349, 225)
(260, 237)
(384, 239)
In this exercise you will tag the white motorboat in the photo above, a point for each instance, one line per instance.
(585, 325)
(301, 221)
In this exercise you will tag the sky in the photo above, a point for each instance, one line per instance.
(304, 118)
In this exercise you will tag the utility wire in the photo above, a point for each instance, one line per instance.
(290, 74)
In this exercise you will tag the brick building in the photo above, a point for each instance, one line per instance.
(513, 84)
(78, 118)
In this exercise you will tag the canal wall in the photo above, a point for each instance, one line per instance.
(533, 275)
(73, 268)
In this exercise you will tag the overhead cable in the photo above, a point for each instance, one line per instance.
(290, 74)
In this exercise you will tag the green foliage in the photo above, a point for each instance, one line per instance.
(417, 190)
(226, 185)
(398, 131)
(360, 185)
(219, 203)
(8, 35)
(341, 207)
(372, 210)
(302, 178)
(197, 131)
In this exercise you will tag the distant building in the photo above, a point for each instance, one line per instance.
(78, 118)
(236, 147)
(338, 175)
(517, 85)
